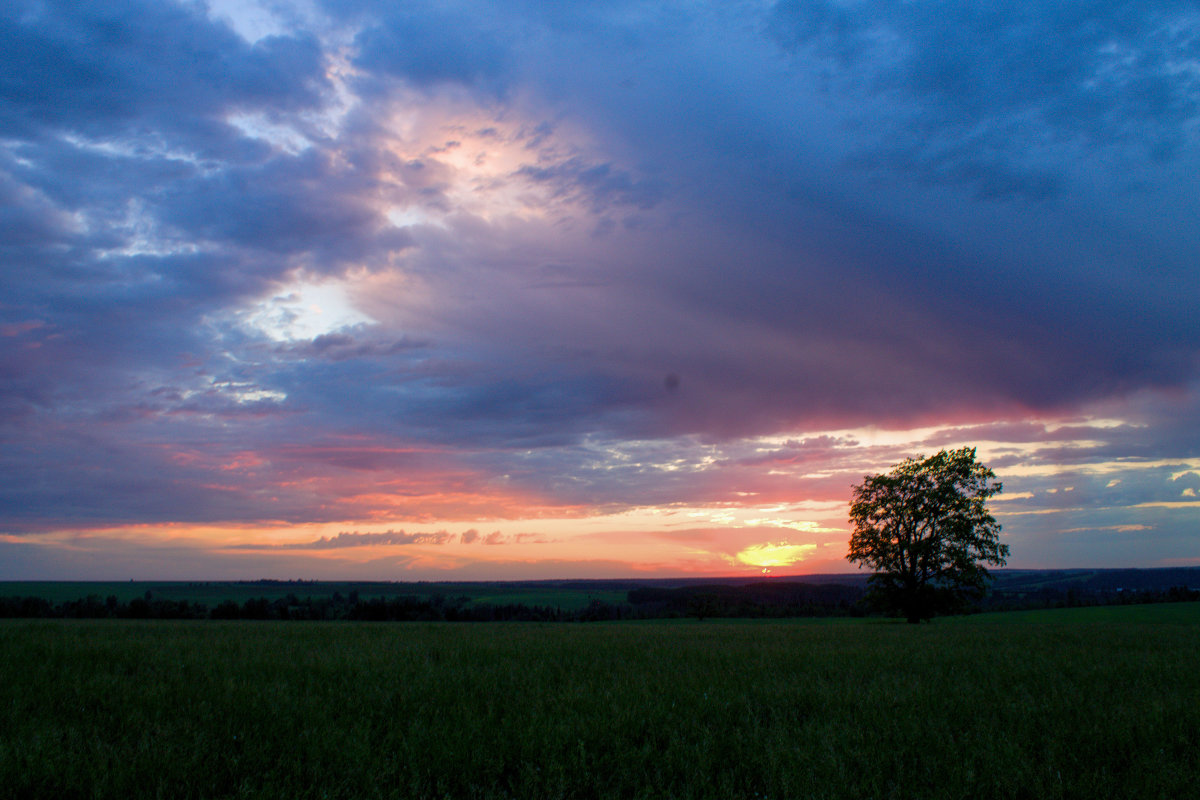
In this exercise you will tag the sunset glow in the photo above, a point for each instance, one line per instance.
(782, 554)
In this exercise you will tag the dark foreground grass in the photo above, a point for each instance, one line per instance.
(1065, 707)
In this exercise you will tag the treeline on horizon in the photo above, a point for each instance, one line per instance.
(762, 600)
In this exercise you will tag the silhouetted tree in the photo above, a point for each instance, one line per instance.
(925, 529)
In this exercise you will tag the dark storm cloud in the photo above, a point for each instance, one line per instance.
(90, 67)
(434, 45)
(288, 204)
(988, 82)
(602, 184)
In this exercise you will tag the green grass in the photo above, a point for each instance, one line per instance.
(1071, 705)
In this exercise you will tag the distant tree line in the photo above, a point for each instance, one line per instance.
(754, 600)
(292, 607)
(764, 599)
(1056, 597)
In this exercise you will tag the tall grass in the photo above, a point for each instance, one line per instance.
(1067, 708)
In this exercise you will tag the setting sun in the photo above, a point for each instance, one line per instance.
(781, 554)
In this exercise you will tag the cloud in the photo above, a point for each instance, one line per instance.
(432, 45)
(1117, 528)
(89, 68)
(602, 184)
(989, 99)
(394, 538)
(346, 539)
(583, 259)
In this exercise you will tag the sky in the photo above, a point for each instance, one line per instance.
(457, 290)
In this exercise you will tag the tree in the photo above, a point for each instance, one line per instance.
(925, 530)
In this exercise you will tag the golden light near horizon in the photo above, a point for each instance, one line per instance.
(775, 554)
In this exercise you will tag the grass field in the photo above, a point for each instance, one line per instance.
(1069, 704)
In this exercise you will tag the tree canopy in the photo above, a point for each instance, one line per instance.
(925, 529)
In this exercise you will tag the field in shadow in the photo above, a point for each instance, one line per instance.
(1074, 703)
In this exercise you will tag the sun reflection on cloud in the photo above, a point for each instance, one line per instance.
(450, 159)
(303, 311)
